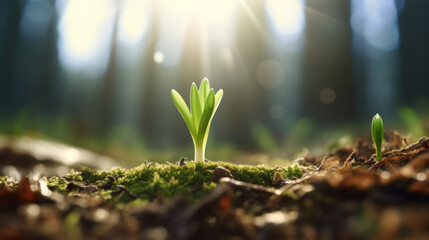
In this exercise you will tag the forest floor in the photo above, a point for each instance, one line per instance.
(344, 194)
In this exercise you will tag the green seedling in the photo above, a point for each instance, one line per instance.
(203, 105)
(377, 132)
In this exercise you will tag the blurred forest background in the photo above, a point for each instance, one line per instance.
(296, 73)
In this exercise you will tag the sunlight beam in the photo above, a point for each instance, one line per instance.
(258, 25)
(84, 30)
(133, 22)
(287, 17)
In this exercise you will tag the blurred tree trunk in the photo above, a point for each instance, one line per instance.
(106, 116)
(414, 51)
(49, 93)
(328, 60)
(148, 113)
(11, 14)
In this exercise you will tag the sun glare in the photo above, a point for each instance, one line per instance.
(84, 30)
(133, 22)
(218, 13)
(376, 21)
(287, 16)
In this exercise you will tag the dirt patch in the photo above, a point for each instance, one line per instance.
(346, 194)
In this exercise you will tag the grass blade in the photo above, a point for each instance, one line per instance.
(206, 117)
(204, 91)
(184, 111)
(218, 98)
(196, 109)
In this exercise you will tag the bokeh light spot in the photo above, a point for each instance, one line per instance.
(158, 57)
(270, 74)
(327, 95)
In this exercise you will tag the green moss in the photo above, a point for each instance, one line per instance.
(151, 180)
(3, 181)
(57, 184)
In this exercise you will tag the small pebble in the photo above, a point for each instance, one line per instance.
(219, 173)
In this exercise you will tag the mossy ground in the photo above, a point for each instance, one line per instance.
(151, 180)
(338, 196)
(3, 180)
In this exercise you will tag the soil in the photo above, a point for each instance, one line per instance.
(345, 194)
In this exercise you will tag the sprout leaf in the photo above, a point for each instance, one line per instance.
(204, 103)
(377, 132)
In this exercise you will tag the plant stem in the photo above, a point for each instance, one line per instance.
(199, 154)
(378, 152)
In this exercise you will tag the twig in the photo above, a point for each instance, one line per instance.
(349, 158)
(321, 164)
(122, 188)
(283, 189)
(398, 157)
(247, 187)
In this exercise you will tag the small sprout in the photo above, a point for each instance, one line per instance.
(277, 178)
(377, 132)
(204, 103)
(182, 161)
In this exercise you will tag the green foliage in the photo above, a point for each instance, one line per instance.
(203, 105)
(377, 132)
(263, 138)
(151, 180)
(412, 121)
(301, 130)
